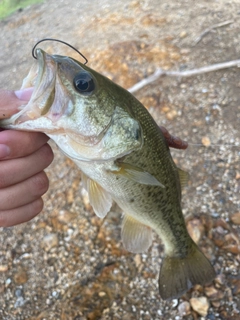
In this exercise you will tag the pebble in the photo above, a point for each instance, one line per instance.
(70, 196)
(183, 34)
(3, 268)
(220, 280)
(185, 51)
(20, 277)
(171, 115)
(26, 255)
(206, 141)
(65, 216)
(213, 294)
(19, 302)
(55, 294)
(18, 293)
(237, 175)
(174, 303)
(236, 287)
(231, 243)
(200, 305)
(49, 241)
(235, 218)
(138, 260)
(195, 229)
(184, 308)
(101, 294)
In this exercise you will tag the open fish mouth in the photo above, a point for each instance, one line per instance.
(42, 77)
(36, 72)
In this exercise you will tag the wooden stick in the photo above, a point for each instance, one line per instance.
(218, 25)
(159, 73)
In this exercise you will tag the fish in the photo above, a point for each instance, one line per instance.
(123, 157)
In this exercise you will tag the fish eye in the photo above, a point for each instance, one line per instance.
(84, 83)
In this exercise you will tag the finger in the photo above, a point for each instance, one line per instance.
(17, 170)
(19, 215)
(24, 192)
(24, 94)
(21, 143)
(173, 142)
(177, 143)
(10, 101)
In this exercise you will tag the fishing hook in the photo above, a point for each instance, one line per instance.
(67, 44)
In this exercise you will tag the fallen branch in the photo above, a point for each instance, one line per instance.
(218, 25)
(159, 73)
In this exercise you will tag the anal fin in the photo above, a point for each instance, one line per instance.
(136, 237)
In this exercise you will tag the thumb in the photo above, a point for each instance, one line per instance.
(10, 101)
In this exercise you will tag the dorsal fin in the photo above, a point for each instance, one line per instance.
(184, 177)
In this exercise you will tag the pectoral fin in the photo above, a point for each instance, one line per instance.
(137, 174)
(100, 200)
(136, 237)
(84, 181)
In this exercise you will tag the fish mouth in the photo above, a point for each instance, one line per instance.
(42, 77)
(33, 115)
(35, 74)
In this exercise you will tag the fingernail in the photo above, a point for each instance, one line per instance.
(4, 151)
(24, 94)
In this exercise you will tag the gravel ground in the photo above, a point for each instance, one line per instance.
(69, 264)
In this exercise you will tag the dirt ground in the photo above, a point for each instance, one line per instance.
(69, 264)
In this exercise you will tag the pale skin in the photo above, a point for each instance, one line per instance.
(23, 158)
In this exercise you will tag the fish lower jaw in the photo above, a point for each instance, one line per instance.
(20, 122)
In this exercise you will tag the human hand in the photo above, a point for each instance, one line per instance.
(23, 157)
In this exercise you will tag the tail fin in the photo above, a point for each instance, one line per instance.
(177, 275)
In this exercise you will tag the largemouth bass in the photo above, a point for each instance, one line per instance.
(123, 157)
